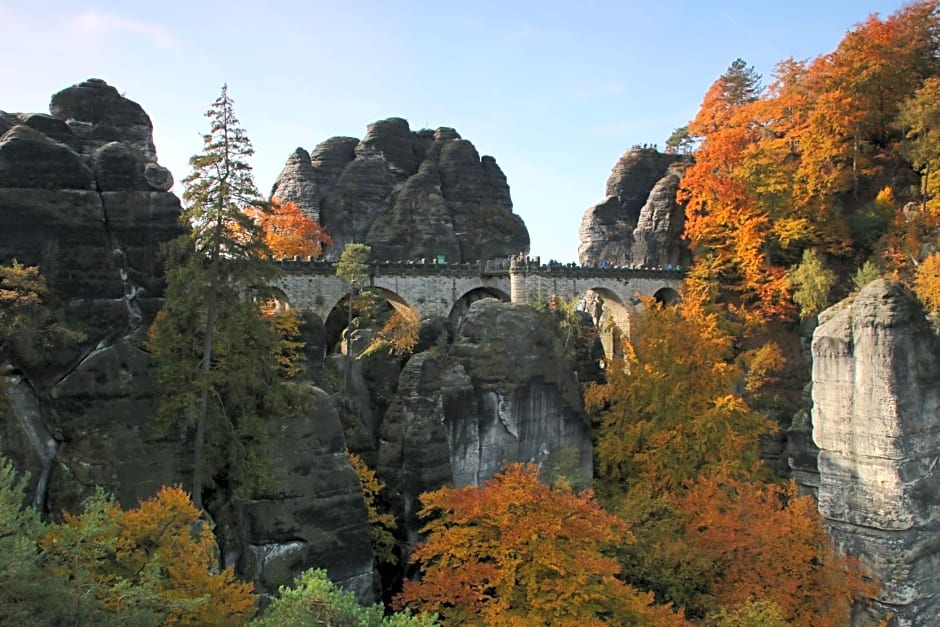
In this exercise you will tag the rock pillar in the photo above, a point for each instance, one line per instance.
(876, 421)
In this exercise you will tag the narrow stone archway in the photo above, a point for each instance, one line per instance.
(462, 306)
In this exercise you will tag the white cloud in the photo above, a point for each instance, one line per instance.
(97, 24)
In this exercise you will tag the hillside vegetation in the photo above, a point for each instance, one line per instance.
(803, 187)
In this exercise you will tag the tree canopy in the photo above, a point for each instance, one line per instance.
(516, 551)
(216, 358)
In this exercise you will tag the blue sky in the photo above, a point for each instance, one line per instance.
(555, 91)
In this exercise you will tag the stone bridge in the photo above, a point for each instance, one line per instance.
(446, 290)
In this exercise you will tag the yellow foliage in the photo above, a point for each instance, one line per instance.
(399, 334)
(669, 412)
(885, 197)
(160, 558)
(290, 347)
(927, 282)
(762, 365)
(381, 524)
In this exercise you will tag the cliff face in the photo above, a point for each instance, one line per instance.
(876, 396)
(640, 221)
(502, 392)
(409, 195)
(82, 196)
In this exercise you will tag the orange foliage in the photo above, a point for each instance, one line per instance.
(783, 172)
(161, 554)
(860, 86)
(517, 552)
(169, 527)
(729, 230)
(770, 544)
(289, 232)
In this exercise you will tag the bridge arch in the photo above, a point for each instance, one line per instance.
(667, 296)
(337, 317)
(611, 313)
(277, 302)
(447, 290)
(462, 304)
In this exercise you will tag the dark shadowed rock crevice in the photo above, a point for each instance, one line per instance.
(315, 515)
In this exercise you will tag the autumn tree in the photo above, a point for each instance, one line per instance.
(927, 282)
(919, 118)
(352, 268)
(28, 593)
(288, 231)
(813, 282)
(156, 563)
(669, 411)
(214, 354)
(768, 543)
(753, 613)
(381, 524)
(729, 231)
(399, 333)
(289, 350)
(29, 324)
(860, 86)
(796, 166)
(515, 551)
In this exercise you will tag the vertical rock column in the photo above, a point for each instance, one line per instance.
(876, 420)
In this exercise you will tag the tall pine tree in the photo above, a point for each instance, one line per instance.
(214, 353)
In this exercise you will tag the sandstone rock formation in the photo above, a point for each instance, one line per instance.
(81, 195)
(75, 199)
(639, 221)
(876, 368)
(408, 194)
(315, 515)
(502, 392)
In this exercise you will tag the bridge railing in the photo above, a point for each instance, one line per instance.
(379, 268)
(490, 267)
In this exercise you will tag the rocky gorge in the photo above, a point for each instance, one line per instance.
(83, 196)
